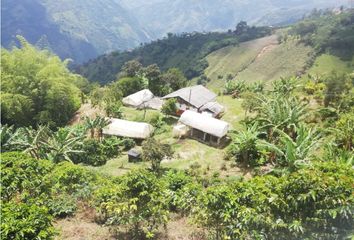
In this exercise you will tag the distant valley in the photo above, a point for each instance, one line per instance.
(82, 30)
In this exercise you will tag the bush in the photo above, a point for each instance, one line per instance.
(93, 153)
(62, 206)
(21, 174)
(169, 107)
(25, 221)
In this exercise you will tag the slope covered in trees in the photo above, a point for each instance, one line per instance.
(185, 51)
(77, 29)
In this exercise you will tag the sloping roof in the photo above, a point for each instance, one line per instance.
(213, 107)
(154, 103)
(204, 123)
(123, 128)
(196, 95)
(138, 98)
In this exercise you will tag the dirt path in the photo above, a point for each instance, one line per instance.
(88, 110)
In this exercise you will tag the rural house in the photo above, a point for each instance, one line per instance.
(129, 129)
(196, 98)
(203, 128)
(143, 99)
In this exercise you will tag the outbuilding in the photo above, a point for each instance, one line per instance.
(205, 128)
(143, 99)
(129, 129)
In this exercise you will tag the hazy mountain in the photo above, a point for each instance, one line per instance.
(162, 16)
(77, 29)
(82, 29)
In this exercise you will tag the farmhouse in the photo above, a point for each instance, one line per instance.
(143, 99)
(203, 128)
(196, 98)
(123, 128)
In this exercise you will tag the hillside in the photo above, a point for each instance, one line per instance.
(208, 15)
(317, 45)
(77, 29)
(82, 30)
(184, 51)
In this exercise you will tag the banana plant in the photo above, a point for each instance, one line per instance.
(295, 153)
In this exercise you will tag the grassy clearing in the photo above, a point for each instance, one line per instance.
(284, 60)
(133, 114)
(326, 63)
(232, 59)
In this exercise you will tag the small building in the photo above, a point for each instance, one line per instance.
(129, 129)
(205, 128)
(213, 109)
(143, 99)
(134, 155)
(196, 98)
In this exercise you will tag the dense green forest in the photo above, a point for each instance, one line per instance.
(286, 172)
(183, 51)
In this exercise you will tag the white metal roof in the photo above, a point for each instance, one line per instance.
(138, 98)
(196, 95)
(204, 123)
(123, 128)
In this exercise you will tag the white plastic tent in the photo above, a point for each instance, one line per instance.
(207, 124)
(138, 98)
(123, 128)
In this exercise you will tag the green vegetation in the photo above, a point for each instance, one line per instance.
(185, 52)
(37, 88)
(286, 171)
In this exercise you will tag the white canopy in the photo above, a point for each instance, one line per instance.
(123, 128)
(204, 123)
(138, 98)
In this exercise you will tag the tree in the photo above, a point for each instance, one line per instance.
(280, 112)
(294, 153)
(241, 27)
(62, 145)
(245, 146)
(169, 107)
(174, 78)
(155, 152)
(131, 69)
(16, 109)
(37, 87)
(156, 85)
(98, 123)
(128, 85)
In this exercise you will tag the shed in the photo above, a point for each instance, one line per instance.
(124, 128)
(134, 155)
(205, 128)
(213, 108)
(138, 98)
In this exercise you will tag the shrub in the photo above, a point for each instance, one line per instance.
(169, 107)
(21, 174)
(25, 221)
(62, 205)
